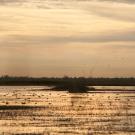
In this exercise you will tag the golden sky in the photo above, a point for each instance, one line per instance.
(67, 37)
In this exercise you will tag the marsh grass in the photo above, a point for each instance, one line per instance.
(73, 87)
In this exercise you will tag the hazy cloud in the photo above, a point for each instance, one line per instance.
(122, 12)
(46, 40)
(74, 36)
(122, 1)
(6, 2)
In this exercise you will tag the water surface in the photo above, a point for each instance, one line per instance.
(31, 110)
(114, 87)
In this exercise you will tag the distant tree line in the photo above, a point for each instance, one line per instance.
(89, 81)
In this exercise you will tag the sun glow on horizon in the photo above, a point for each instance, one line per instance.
(74, 38)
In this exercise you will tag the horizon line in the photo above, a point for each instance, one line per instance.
(65, 76)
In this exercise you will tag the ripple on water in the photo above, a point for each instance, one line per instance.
(57, 113)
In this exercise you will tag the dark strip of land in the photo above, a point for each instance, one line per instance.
(7, 80)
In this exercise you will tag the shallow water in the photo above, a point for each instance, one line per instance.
(114, 87)
(34, 111)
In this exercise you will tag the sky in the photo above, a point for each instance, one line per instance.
(55, 38)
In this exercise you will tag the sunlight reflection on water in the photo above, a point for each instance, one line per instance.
(114, 87)
(57, 113)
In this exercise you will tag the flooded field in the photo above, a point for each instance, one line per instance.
(31, 110)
